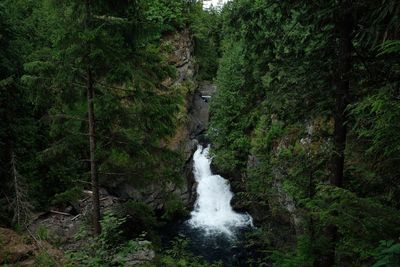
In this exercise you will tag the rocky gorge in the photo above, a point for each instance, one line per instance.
(62, 225)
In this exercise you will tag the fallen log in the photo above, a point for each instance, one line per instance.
(61, 213)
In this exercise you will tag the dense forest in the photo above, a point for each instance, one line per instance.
(99, 119)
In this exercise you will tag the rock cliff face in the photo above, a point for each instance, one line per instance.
(199, 113)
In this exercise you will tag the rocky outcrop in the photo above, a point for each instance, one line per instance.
(197, 98)
(154, 194)
(199, 110)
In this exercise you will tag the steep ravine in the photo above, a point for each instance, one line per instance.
(187, 136)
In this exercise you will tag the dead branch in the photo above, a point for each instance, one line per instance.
(21, 205)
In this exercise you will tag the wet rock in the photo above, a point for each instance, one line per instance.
(207, 88)
(155, 194)
(239, 204)
(199, 112)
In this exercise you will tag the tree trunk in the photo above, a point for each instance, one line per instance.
(92, 133)
(344, 27)
(93, 167)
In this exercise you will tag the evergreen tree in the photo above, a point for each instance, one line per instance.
(303, 69)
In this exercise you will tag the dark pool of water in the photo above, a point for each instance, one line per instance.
(214, 247)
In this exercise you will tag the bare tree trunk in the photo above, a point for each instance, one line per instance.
(92, 132)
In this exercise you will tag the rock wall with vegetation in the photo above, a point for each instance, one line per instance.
(303, 121)
(177, 48)
(136, 59)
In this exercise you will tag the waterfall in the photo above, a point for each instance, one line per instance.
(213, 212)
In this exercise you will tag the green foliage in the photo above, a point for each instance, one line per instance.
(17, 127)
(174, 208)
(166, 14)
(228, 110)
(142, 216)
(42, 233)
(111, 233)
(109, 248)
(301, 257)
(376, 115)
(44, 259)
(139, 210)
(361, 221)
(45, 69)
(266, 134)
(69, 197)
(177, 255)
(390, 46)
(388, 254)
(206, 28)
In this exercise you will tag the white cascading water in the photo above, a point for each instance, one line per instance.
(213, 212)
